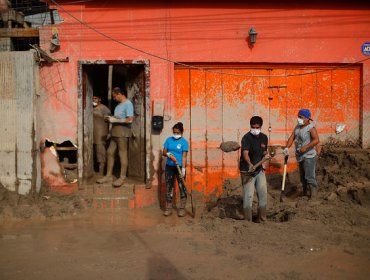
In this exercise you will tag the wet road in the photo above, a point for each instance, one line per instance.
(142, 244)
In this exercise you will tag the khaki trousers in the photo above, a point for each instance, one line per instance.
(122, 144)
(101, 153)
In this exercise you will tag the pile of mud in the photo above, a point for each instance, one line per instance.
(343, 175)
(37, 206)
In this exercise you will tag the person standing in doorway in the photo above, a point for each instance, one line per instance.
(176, 150)
(101, 129)
(120, 135)
(306, 139)
(253, 150)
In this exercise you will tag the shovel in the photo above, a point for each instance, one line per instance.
(257, 165)
(190, 194)
(284, 176)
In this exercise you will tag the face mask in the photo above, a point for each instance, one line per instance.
(176, 136)
(95, 104)
(255, 131)
(300, 122)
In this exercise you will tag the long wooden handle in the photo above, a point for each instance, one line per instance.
(284, 176)
(258, 164)
(182, 179)
(261, 162)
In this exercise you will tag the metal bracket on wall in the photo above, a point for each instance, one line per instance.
(45, 57)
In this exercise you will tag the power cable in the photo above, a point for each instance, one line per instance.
(193, 66)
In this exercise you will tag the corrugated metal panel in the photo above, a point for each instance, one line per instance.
(8, 116)
(219, 108)
(17, 120)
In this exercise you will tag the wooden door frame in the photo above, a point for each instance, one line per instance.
(80, 113)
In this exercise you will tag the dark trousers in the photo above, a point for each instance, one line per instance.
(307, 169)
(170, 173)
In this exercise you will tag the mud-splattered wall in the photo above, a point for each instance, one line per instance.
(205, 33)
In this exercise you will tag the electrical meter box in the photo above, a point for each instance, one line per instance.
(158, 114)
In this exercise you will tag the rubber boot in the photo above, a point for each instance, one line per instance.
(181, 212)
(305, 193)
(261, 215)
(238, 216)
(167, 209)
(313, 191)
(247, 214)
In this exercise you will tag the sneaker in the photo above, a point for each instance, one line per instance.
(105, 179)
(181, 212)
(167, 212)
(119, 182)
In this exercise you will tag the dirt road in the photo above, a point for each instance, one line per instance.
(328, 238)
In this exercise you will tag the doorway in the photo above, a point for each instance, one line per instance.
(98, 78)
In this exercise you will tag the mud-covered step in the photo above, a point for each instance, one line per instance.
(105, 196)
(104, 202)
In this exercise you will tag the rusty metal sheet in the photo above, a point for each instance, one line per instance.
(17, 114)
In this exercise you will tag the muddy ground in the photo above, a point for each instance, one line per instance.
(303, 239)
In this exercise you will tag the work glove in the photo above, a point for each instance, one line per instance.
(172, 157)
(286, 151)
(183, 172)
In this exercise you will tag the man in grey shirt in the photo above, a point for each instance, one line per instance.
(306, 138)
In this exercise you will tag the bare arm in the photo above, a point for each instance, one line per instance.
(116, 120)
(290, 140)
(315, 140)
(184, 158)
(165, 151)
(246, 158)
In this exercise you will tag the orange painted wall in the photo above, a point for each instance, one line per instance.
(196, 32)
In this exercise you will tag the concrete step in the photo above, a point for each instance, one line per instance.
(131, 194)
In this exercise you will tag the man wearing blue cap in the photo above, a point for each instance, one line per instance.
(305, 138)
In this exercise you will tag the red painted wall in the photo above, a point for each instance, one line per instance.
(196, 32)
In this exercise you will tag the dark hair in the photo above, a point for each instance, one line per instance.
(256, 120)
(118, 90)
(179, 126)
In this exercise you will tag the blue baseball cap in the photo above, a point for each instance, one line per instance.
(305, 113)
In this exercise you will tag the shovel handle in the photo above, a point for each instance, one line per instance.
(189, 193)
(284, 174)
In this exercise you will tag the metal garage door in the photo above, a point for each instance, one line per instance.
(216, 107)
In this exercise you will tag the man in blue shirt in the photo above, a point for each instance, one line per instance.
(120, 135)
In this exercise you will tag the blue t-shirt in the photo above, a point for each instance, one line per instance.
(124, 110)
(176, 147)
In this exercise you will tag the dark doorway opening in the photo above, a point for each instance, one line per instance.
(98, 80)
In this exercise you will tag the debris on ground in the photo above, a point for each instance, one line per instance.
(45, 204)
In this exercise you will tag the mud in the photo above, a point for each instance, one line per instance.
(229, 146)
(43, 205)
(326, 238)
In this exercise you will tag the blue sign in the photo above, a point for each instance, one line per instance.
(366, 48)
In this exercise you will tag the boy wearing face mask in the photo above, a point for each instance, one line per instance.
(305, 137)
(254, 149)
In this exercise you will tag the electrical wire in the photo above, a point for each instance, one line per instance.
(193, 66)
